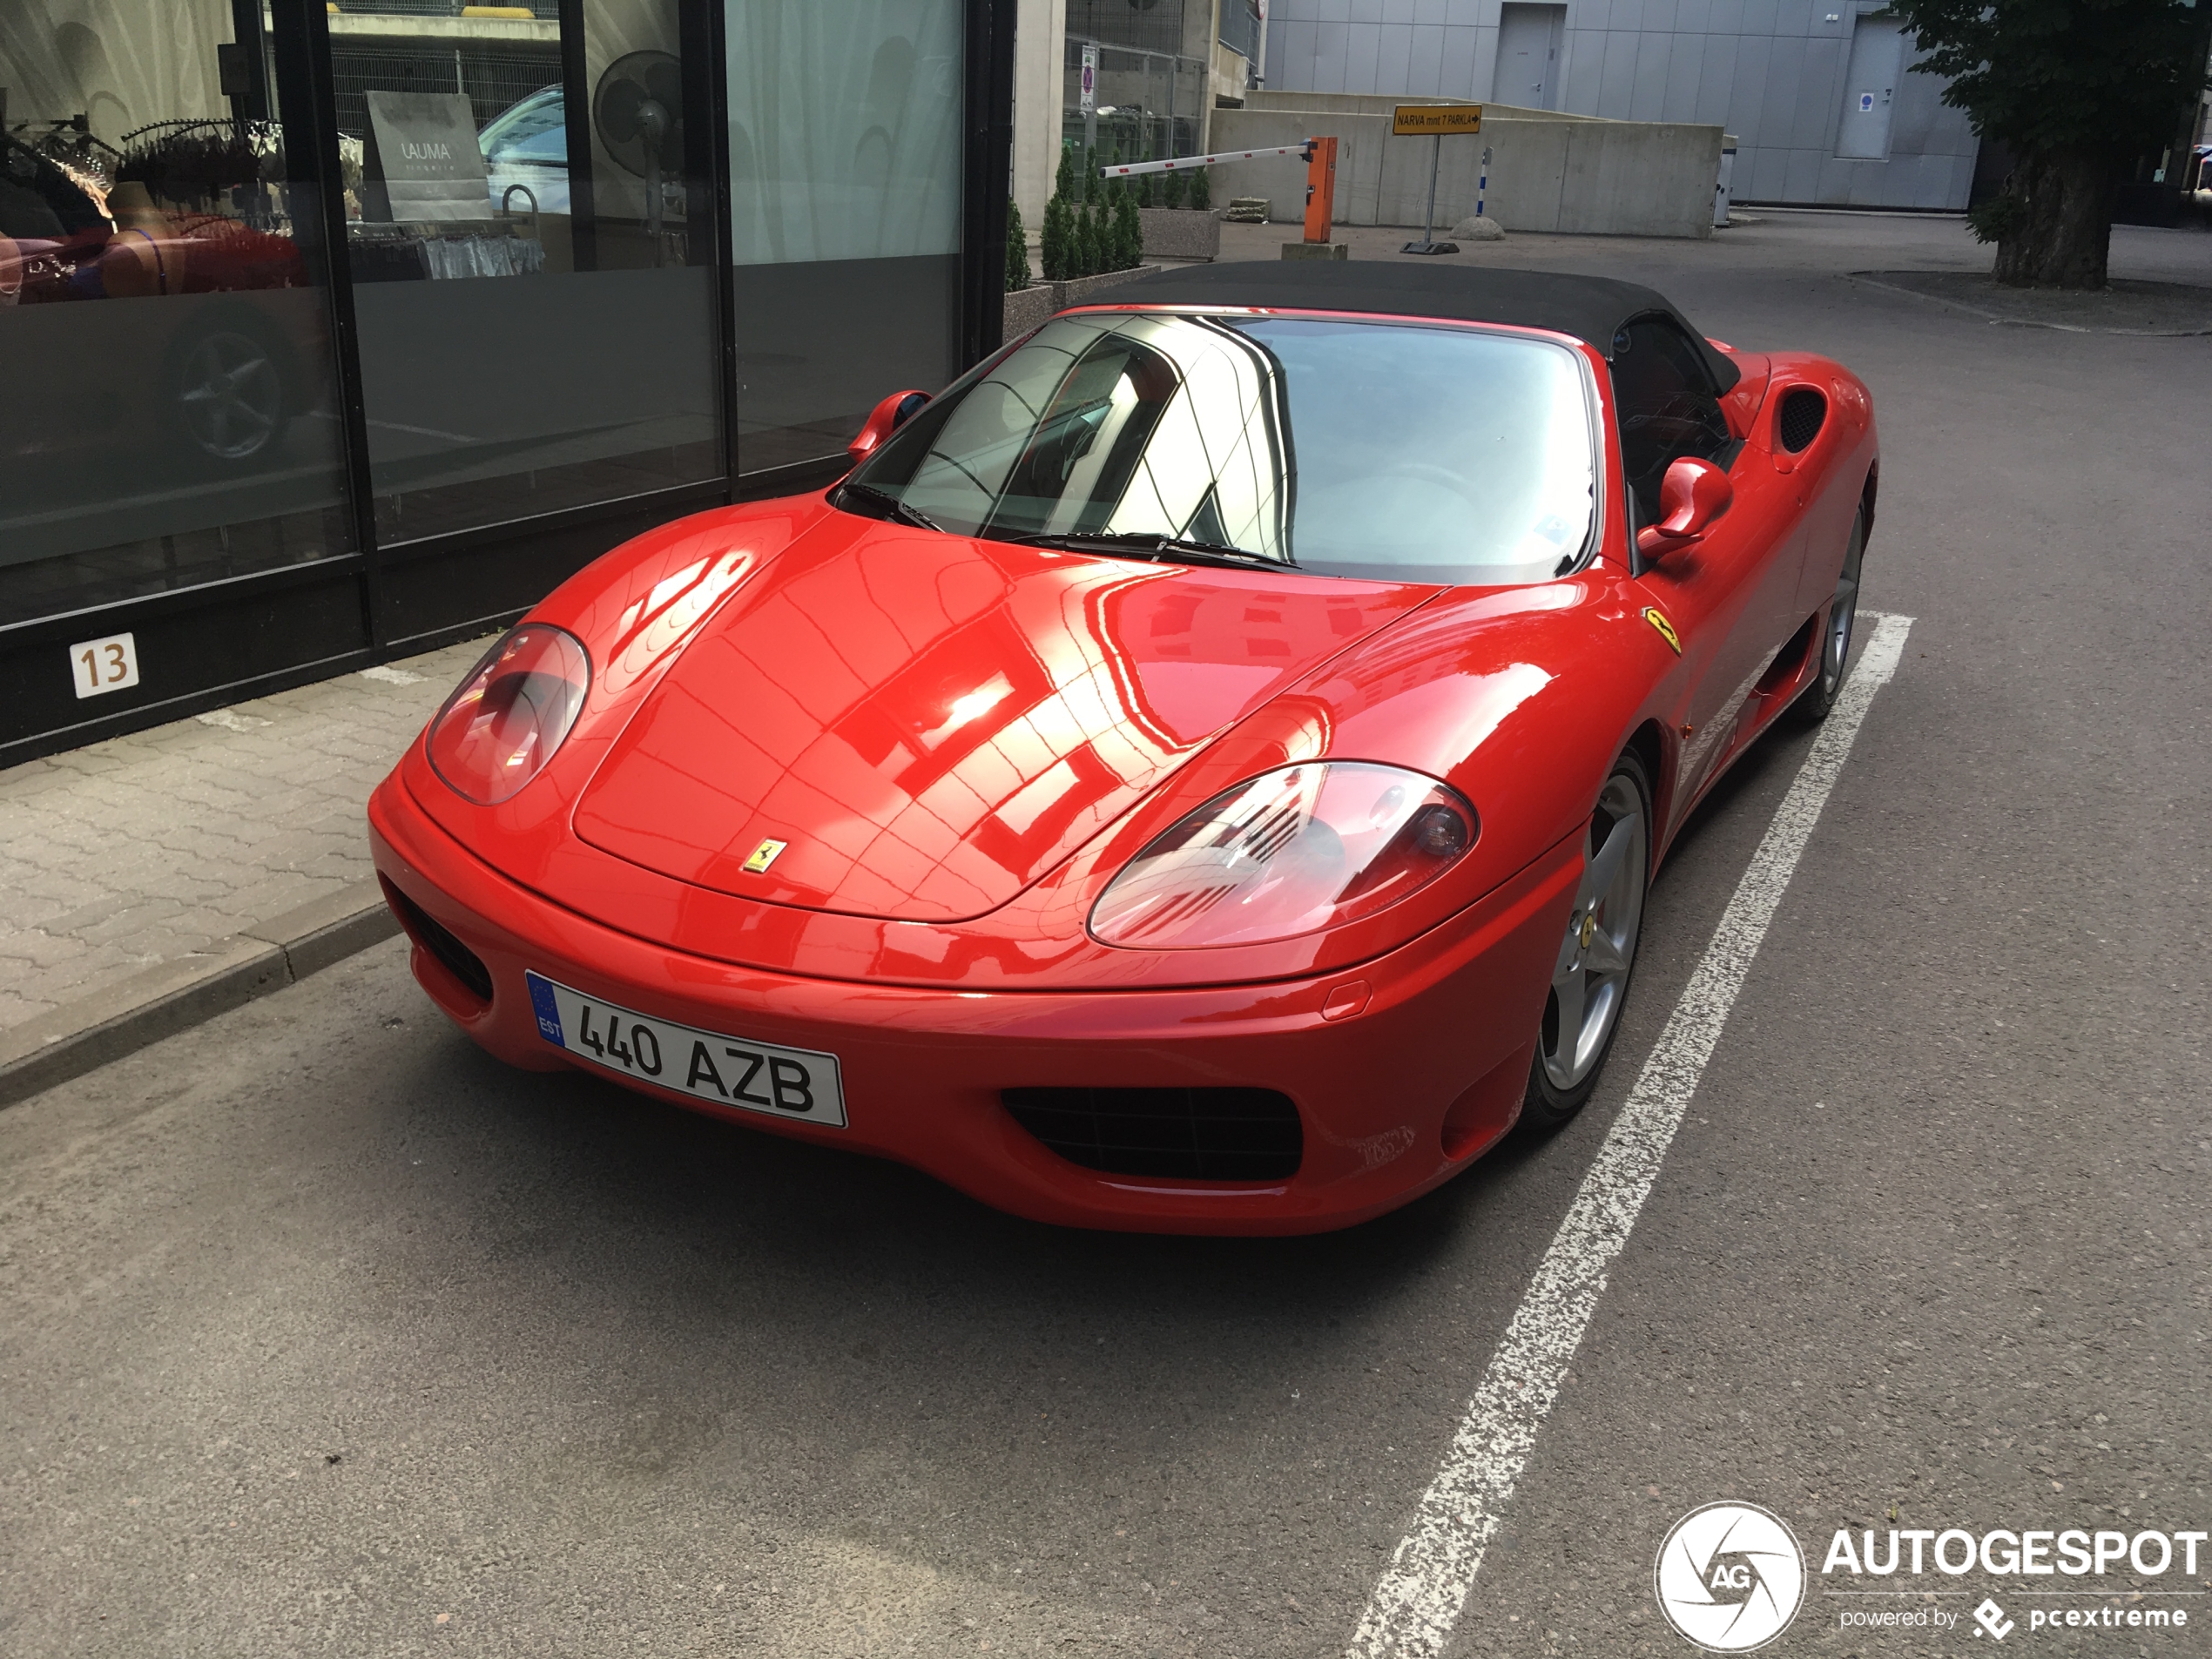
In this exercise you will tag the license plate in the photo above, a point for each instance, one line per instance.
(797, 1084)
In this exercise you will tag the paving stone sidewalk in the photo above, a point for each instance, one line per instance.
(160, 849)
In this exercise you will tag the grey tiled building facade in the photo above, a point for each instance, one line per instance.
(1817, 91)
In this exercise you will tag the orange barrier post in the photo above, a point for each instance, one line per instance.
(1320, 188)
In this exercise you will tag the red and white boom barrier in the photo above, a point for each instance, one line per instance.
(1183, 164)
(1319, 154)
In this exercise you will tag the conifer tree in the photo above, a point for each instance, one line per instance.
(1017, 248)
(1088, 262)
(1053, 245)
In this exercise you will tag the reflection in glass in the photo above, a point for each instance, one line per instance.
(1150, 96)
(1155, 425)
(845, 182)
(534, 335)
(168, 417)
(1346, 447)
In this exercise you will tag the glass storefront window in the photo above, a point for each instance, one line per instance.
(536, 325)
(845, 146)
(169, 417)
(326, 329)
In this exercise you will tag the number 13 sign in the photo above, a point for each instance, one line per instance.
(109, 664)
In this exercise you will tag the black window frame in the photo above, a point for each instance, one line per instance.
(248, 635)
(1718, 446)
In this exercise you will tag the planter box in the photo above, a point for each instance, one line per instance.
(1029, 306)
(1180, 232)
(1082, 289)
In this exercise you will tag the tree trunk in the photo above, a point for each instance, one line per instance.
(2060, 235)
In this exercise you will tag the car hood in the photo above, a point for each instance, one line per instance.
(927, 724)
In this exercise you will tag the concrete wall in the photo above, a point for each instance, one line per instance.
(1771, 71)
(1039, 32)
(1547, 174)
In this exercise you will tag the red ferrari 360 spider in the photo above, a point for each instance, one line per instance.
(1200, 771)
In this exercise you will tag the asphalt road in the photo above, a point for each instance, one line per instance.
(321, 1332)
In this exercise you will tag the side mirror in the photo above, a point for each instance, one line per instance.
(1692, 494)
(885, 419)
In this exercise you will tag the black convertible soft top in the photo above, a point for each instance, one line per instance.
(1591, 309)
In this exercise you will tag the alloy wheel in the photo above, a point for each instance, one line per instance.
(1842, 616)
(230, 396)
(1590, 976)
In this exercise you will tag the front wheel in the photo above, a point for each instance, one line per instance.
(1590, 974)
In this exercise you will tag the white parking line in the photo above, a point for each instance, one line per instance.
(1413, 1610)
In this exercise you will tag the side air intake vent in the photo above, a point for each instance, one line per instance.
(425, 929)
(1804, 412)
(1171, 1134)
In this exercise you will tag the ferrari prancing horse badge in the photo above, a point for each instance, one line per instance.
(1666, 628)
(763, 856)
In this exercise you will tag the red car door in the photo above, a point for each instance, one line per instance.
(1727, 595)
(1717, 593)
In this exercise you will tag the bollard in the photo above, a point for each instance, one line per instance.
(1320, 188)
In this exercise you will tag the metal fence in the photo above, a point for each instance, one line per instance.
(494, 75)
(1155, 27)
(1149, 103)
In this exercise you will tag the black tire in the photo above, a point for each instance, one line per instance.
(1609, 907)
(228, 394)
(1819, 696)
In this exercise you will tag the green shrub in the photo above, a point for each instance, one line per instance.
(1131, 235)
(1017, 248)
(1052, 245)
(1172, 192)
(1200, 192)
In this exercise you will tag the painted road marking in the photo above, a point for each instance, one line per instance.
(1413, 1610)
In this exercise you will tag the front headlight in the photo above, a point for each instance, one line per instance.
(498, 732)
(1290, 852)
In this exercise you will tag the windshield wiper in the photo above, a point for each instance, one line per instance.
(1168, 549)
(889, 506)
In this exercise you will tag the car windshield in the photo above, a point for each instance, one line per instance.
(1397, 451)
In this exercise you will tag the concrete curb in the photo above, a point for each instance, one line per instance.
(175, 995)
(1873, 279)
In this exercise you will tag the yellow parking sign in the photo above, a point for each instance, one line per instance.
(1435, 120)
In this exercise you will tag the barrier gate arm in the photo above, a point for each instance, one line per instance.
(1319, 154)
(1183, 164)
